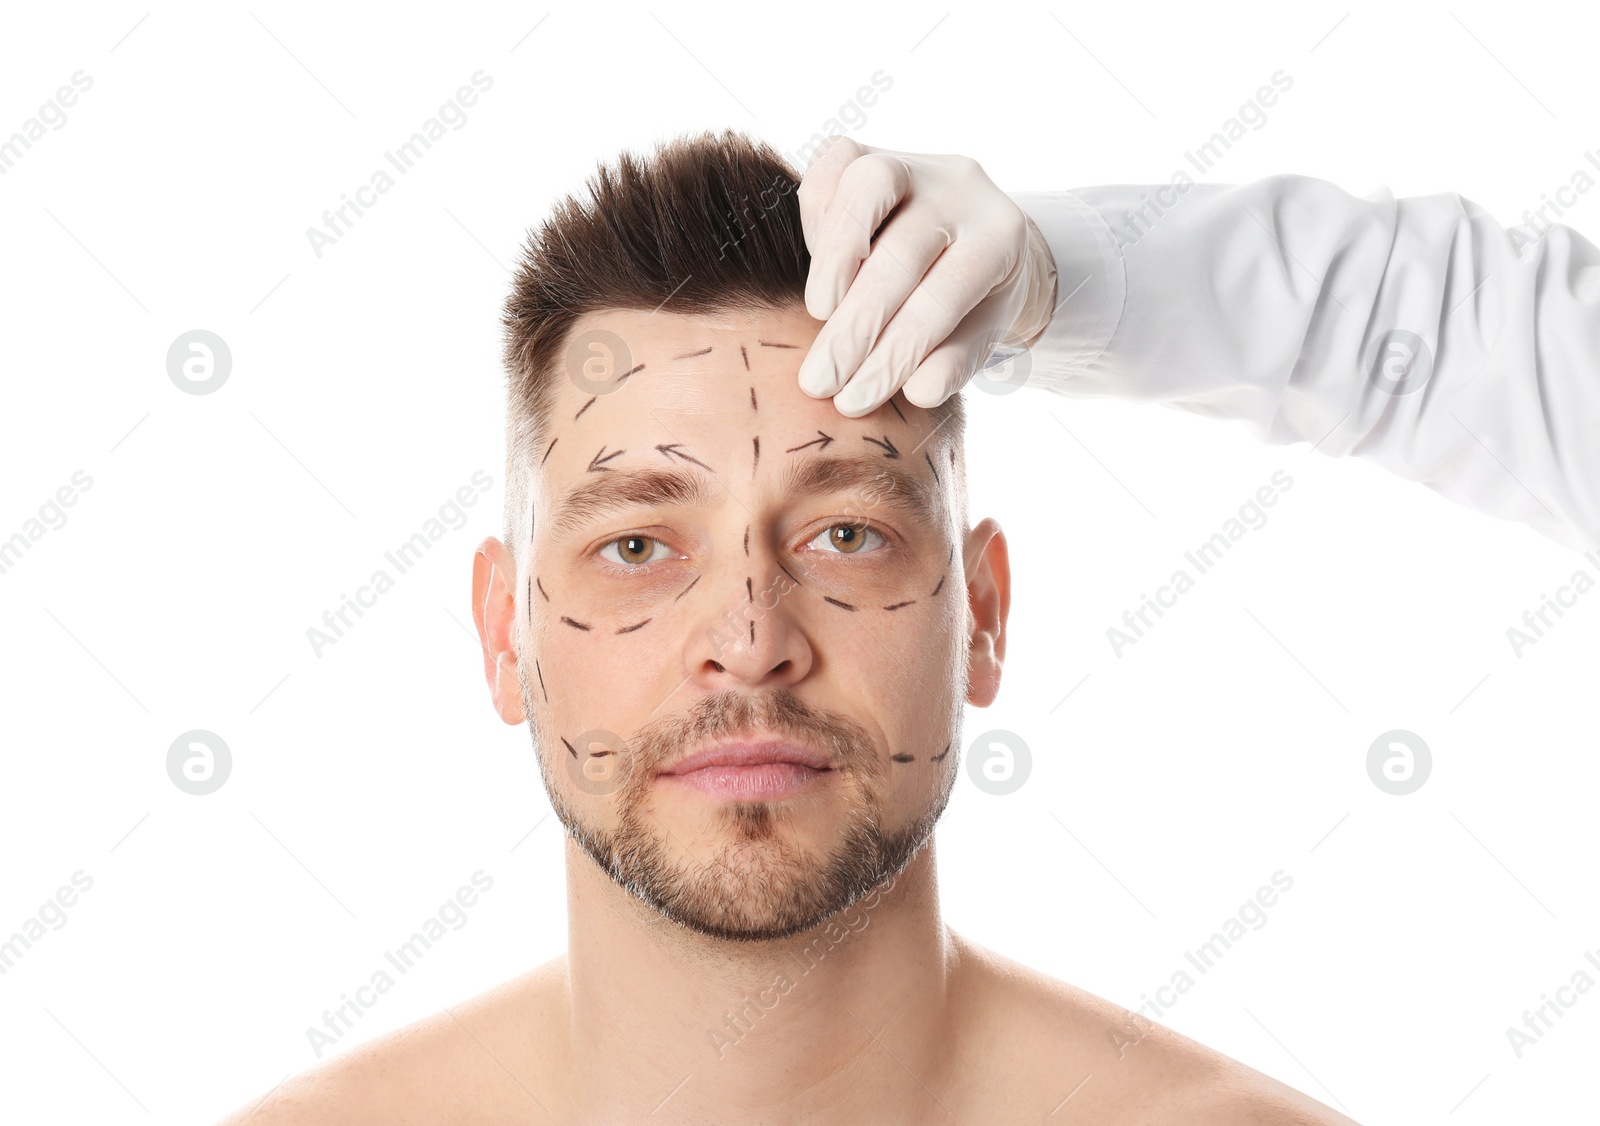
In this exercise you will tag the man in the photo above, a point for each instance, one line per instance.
(742, 628)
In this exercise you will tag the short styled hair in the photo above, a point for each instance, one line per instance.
(706, 223)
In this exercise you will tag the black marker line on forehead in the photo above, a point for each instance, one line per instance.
(692, 355)
(896, 407)
(825, 439)
(597, 464)
(886, 445)
(670, 451)
(753, 399)
(743, 355)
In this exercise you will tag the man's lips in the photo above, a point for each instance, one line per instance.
(750, 753)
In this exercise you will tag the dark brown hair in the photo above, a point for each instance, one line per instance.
(705, 223)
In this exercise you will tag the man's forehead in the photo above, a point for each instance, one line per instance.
(674, 408)
(771, 338)
(728, 368)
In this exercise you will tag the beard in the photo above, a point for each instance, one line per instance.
(758, 885)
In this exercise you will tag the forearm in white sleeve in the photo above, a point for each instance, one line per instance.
(1314, 315)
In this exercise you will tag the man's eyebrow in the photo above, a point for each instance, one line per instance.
(624, 488)
(872, 475)
(807, 476)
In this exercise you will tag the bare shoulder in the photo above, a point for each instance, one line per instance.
(1036, 1046)
(484, 1060)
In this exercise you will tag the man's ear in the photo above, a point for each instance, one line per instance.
(988, 566)
(494, 609)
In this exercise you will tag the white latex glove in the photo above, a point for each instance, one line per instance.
(958, 272)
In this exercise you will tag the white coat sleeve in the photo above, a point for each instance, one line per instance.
(1415, 333)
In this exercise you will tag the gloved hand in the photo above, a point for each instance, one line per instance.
(958, 271)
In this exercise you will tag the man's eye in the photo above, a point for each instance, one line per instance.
(632, 550)
(848, 539)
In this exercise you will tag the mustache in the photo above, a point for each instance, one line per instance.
(782, 712)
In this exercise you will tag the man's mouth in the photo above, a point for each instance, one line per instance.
(750, 770)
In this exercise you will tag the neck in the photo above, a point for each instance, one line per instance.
(771, 1024)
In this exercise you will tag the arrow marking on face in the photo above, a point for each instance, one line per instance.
(824, 439)
(597, 464)
(671, 451)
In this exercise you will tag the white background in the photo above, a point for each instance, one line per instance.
(370, 782)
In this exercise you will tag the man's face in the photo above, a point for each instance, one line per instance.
(721, 562)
